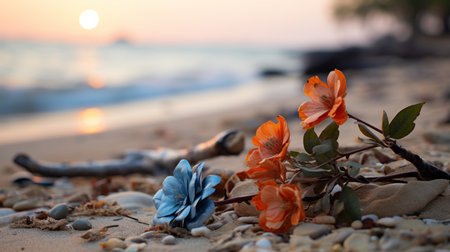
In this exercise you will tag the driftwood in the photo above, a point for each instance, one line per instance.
(159, 161)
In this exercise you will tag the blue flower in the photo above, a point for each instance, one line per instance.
(183, 200)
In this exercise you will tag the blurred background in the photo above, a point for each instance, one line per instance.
(65, 65)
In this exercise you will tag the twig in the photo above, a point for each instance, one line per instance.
(249, 197)
(367, 124)
(136, 219)
(138, 161)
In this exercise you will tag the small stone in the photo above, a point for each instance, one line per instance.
(264, 243)
(249, 219)
(357, 242)
(242, 228)
(79, 198)
(6, 211)
(147, 235)
(59, 212)
(357, 224)
(324, 219)
(25, 205)
(168, 240)
(130, 199)
(135, 247)
(215, 225)
(439, 237)
(113, 243)
(312, 230)
(200, 231)
(342, 236)
(12, 199)
(392, 243)
(81, 225)
(337, 248)
(373, 217)
(135, 239)
(386, 222)
(247, 246)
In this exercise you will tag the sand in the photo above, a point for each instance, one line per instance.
(182, 121)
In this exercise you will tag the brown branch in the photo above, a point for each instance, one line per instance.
(249, 197)
(367, 124)
(138, 161)
(426, 170)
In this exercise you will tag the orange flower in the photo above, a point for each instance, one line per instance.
(272, 141)
(326, 100)
(268, 170)
(281, 206)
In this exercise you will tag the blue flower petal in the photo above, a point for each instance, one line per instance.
(205, 209)
(194, 208)
(192, 191)
(211, 181)
(198, 170)
(183, 214)
(172, 188)
(207, 191)
(183, 173)
(167, 208)
(162, 220)
(157, 198)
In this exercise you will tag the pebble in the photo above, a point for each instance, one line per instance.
(59, 212)
(81, 225)
(357, 224)
(12, 199)
(312, 230)
(135, 239)
(324, 219)
(215, 225)
(439, 237)
(357, 242)
(386, 222)
(246, 246)
(342, 236)
(242, 228)
(389, 244)
(135, 247)
(147, 235)
(369, 216)
(168, 240)
(264, 243)
(131, 199)
(6, 211)
(25, 205)
(200, 231)
(79, 198)
(113, 243)
(249, 219)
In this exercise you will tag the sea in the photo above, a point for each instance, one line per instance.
(38, 77)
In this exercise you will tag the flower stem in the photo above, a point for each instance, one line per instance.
(367, 124)
(341, 155)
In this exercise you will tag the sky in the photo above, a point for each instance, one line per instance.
(286, 23)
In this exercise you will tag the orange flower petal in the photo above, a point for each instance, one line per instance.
(316, 89)
(338, 113)
(253, 158)
(337, 83)
(312, 113)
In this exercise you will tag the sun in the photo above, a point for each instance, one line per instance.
(89, 19)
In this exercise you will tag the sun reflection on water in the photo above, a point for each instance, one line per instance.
(91, 120)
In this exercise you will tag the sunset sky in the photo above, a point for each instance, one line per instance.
(289, 23)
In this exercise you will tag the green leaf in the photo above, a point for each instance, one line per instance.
(351, 208)
(385, 124)
(403, 122)
(353, 168)
(368, 133)
(325, 151)
(330, 132)
(316, 172)
(303, 157)
(310, 139)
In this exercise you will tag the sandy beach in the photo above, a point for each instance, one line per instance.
(180, 122)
